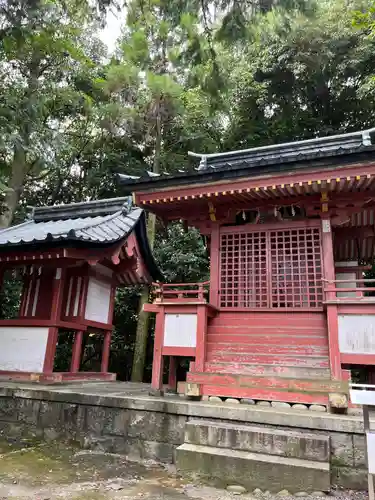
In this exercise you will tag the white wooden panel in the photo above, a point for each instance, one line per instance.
(357, 333)
(23, 348)
(346, 276)
(180, 330)
(78, 296)
(370, 440)
(36, 297)
(358, 397)
(98, 301)
(69, 296)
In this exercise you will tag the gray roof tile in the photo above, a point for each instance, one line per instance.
(264, 159)
(75, 222)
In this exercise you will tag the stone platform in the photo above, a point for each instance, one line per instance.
(122, 418)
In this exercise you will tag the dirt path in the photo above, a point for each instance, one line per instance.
(31, 470)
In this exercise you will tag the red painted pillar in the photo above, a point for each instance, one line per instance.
(332, 317)
(106, 351)
(158, 362)
(214, 266)
(200, 356)
(57, 294)
(172, 375)
(76, 352)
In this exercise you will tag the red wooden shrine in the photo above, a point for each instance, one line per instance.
(288, 310)
(71, 259)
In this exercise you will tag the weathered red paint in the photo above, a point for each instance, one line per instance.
(172, 375)
(76, 352)
(179, 351)
(200, 357)
(158, 360)
(214, 266)
(332, 318)
(358, 359)
(280, 383)
(106, 351)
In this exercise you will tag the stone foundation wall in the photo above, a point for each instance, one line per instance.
(151, 428)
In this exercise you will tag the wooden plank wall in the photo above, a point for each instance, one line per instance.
(291, 344)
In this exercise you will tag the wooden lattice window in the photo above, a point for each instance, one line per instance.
(271, 268)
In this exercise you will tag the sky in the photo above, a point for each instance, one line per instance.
(112, 30)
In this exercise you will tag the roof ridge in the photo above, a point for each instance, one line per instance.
(105, 217)
(363, 135)
(78, 210)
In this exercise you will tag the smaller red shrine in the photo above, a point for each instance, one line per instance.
(71, 258)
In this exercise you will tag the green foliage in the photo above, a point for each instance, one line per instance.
(10, 295)
(301, 76)
(182, 255)
(206, 76)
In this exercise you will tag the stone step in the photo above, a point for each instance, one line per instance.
(222, 467)
(256, 439)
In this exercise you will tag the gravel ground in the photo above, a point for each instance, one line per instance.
(40, 471)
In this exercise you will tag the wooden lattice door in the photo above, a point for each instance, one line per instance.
(271, 268)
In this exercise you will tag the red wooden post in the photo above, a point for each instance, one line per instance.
(332, 317)
(214, 266)
(76, 352)
(172, 375)
(200, 357)
(106, 351)
(112, 304)
(158, 362)
(57, 294)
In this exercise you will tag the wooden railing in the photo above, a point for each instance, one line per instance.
(334, 290)
(181, 292)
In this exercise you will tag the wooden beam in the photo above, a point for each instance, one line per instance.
(214, 266)
(298, 179)
(158, 359)
(57, 296)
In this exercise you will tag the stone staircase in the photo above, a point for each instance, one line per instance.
(255, 457)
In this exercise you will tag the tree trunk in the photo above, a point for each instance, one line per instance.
(16, 183)
(19, 163)
(143, 317)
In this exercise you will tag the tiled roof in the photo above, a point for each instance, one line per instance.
(254, 161)
(100, 222)
(292, 151)
(95, 223)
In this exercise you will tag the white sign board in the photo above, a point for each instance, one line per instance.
(357, 333)
(98, 301)
(180, 330)
(359, 397)
(326, 226)
(23, 348)
(370, 440)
